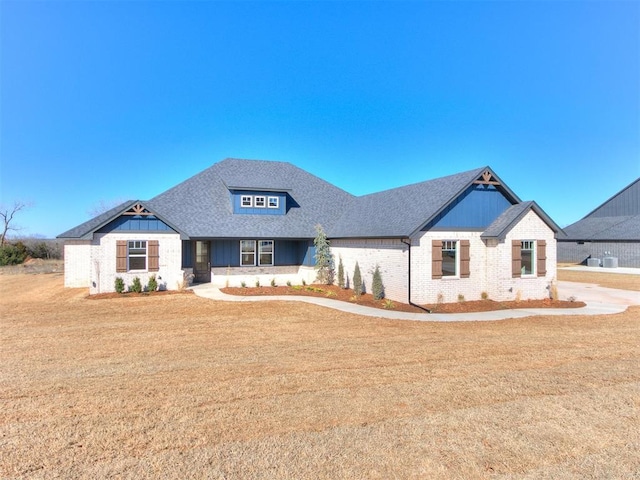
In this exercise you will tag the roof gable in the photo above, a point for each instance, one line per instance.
(85, 230)
(624, 203)
(378, 214)
(510, 218)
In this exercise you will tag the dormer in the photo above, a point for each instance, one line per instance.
(258, 202)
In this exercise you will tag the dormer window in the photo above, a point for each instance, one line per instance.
(246, 201)
(274, 202)
(260, 201)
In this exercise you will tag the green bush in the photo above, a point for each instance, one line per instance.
(119, 285)
(152, 286)
(340, 274)
(13, 253)
(136, 286)
(377, 288)
(357, 281)
(273, 282)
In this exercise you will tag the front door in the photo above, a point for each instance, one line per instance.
(202, 264)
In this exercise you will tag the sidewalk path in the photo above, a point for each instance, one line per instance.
(599, 301)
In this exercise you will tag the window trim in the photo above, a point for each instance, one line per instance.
(260, 198)
(244, 198)
(243, 252)
(531, 248)
(456, 258)
(260, 252)
(276, 203)
(137, 245)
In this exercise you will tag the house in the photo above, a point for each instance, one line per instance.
(611, 230)
(463, 235)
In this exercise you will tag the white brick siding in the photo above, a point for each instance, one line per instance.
(92, 263)
(490, 265)
(77, 263)
(391, 255)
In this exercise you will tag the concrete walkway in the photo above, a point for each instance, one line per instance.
(599, 301)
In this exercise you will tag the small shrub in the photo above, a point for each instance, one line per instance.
(297, 287)
(152, 285)
(553, 291)
(518, 296)
(243, 284)
(341, 282)
(303, 282)
(377, 288)
(460, 297)
(331, 293)
(136, 286)
(484, 296)
(119, 285)
(357, 281)
(273, 282)
(314, 289)
(257, 283)
(440, 298)
(288, 283)
(572, 298)
(13, 253)
(355, 298)
(388, 304)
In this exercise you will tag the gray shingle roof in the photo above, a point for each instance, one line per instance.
(200, 206)
(402, 211)
(95, 223)
(621, 228)
(617, 219)
(512, 215)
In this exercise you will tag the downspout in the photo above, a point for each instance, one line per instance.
(408, 244)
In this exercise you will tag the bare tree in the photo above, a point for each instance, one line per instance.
(7, 215)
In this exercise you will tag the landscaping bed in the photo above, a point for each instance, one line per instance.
(336, 293)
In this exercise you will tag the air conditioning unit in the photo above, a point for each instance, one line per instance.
(610, 262)
(593, 262)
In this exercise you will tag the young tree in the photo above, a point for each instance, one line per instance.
(377, 288)
(324, 259)
(341, 282)
(357, 281)
(7, 215)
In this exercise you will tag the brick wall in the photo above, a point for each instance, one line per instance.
(77, 263)
(390, 254)
(102, 263)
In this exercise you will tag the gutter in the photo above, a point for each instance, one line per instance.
(408, 244)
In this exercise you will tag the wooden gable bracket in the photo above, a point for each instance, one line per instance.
(137, 209)
(486, 179)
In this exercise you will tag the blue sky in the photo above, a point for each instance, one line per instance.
(106, 101)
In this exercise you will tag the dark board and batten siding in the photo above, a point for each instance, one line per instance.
(625, 203)
(128, 223)
(226, 253)
(476, 208)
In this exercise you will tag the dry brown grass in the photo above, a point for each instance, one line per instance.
(609, 280)
(183, 387)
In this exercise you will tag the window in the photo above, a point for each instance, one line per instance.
(527, 257)
(247, 253)
(246, 201)
(137, 254)
(449, 258)
(274, 202)
(265, 252)
(260, 201)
